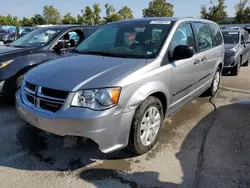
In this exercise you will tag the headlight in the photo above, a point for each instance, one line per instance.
(97, 99)
(4, 64)
(229, 54)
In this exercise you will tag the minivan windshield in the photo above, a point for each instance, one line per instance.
(138, 39)
(231, 37)
(36, 38)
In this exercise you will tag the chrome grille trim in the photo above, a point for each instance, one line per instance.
(40, 94)
(27, 90)
(41, 102)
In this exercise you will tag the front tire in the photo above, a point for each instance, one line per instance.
(146, 126)
(236, 70)
(246, 63)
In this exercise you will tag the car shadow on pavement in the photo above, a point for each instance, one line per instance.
(28, 148)
(223, 161)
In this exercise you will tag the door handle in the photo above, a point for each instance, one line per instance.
(204, 58)
(196, 62)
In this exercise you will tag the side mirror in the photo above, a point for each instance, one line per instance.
(61, 44)
(182, 52)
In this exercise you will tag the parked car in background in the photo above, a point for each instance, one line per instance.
(237, 49)
(34, 48)
(118, 93)
(25, 30)
(6, 35)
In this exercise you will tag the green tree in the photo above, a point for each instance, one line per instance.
(38, 19)
(96, 14)
(109, 9)
(111, 15)
(242, 12)
(216, 12)
(9, 20)
(159, 8)
(88, 16)
(126, 13)
(79, 19)
(51, 15)
(26, 22)
(69, 19)
(3, 20)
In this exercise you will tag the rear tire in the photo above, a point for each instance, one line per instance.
(215, 84)
(146, 126)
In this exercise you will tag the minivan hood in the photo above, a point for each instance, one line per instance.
(231, 46)
(82, 72)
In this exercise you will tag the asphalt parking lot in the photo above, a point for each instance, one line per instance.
(183, 158)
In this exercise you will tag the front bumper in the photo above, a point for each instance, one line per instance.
(107, 128)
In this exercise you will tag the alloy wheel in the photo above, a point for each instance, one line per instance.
(150, 126)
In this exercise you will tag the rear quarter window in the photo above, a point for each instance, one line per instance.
(204, 35)
(90, 31)
(216, 34)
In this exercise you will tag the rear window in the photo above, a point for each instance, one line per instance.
(217, 37)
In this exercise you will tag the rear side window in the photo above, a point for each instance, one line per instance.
(216, 34)
(204, 36)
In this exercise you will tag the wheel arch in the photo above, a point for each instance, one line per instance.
(156, 89)
(162, 98)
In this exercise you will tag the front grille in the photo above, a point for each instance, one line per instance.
(31, 86)
(43, 98)
(30, 98)
(55, 93)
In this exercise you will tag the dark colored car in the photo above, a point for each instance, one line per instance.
(37, 47)
(6, 35)
(237, 49)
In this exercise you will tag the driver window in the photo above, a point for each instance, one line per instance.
(183, 36)
(72, 38)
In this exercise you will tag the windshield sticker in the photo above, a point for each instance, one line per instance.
(161, 22)
(233, 33)
(51, 32)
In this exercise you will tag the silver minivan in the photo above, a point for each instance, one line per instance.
(119, 85)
